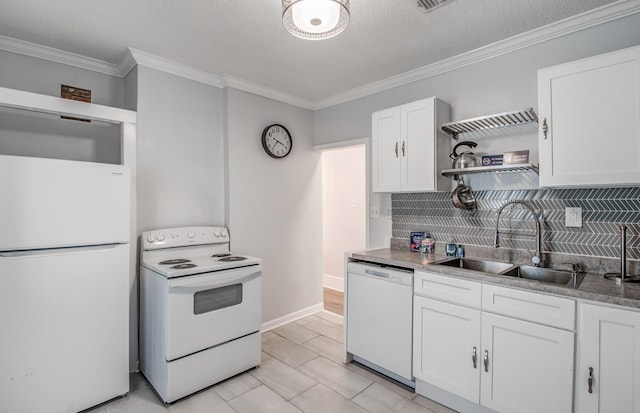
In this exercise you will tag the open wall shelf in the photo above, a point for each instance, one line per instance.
(524, 167)
(499, 120)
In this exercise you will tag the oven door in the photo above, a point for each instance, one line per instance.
(209, 309)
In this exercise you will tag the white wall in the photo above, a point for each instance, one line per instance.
(274, 206)
(344, 206)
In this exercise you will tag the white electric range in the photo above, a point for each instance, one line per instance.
(200, 310)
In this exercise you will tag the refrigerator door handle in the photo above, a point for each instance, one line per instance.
(57, 251)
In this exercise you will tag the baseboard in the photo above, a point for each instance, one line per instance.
(270, 325)
(333, 282)
(333, 317)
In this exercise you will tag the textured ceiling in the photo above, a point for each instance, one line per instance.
(246, 39)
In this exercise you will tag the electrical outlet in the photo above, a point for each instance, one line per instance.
(375, 212)
(573, 217)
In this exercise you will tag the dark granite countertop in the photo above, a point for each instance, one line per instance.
(594, 287)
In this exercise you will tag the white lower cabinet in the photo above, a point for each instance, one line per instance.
(497, 361)
(445, 339)
(526, 367)
(607, 360)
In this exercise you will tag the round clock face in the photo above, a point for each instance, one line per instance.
(276, 141)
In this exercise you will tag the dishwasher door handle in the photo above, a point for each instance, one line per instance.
(377, 273)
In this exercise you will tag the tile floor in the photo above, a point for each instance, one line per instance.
(301, 371)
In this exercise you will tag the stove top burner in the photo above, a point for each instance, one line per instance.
(175, 261)
(224, 254)
(234, 258)
(183, 266)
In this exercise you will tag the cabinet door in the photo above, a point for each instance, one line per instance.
(418, 146)
(591, 108)
(386, 150)
(608, 343)
(526, 367)
(444, 339)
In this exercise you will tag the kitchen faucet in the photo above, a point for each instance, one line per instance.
(536, 259)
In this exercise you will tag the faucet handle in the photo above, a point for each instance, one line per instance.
(575, 267)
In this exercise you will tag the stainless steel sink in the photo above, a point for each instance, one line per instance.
(493, 267)
(546, 275)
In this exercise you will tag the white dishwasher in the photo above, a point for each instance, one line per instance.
(379, 318)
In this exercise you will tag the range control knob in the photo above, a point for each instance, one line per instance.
(151, 238)
(191, 234)
(217, 234)
(224, 234)
(160, 237)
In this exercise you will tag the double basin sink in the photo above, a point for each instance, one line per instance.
(544, 275)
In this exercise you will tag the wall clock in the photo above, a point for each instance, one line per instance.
(276, 141)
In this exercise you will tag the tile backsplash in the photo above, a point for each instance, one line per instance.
(604, 210)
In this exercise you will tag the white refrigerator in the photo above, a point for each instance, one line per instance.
(64, 284)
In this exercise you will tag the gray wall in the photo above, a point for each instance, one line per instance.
(500, 84)
(275, 205)
(28, 134)
(180, 152)
(503, 83)
(45, 77)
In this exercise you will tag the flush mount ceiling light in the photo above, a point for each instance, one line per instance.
(315, 19)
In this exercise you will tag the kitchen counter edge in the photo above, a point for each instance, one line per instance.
(594, 287)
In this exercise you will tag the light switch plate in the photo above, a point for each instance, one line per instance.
(573, 217)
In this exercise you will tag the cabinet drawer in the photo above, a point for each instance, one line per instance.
(450, 289)
(539, 308)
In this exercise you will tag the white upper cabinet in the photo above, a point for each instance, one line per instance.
(409, 148)
(589, 114)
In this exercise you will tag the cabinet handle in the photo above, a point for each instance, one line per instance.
(486, 361)
(403, 154)
(396, 149)
(474, 357)
(590, 380)
(545, 127)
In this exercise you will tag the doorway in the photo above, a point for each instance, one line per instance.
(344, 217)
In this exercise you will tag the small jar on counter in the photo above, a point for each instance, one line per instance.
(427, 244)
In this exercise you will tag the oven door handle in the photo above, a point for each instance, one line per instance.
(213, 280)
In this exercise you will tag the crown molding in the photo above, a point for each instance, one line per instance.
(155, 62)
(554, 30)
(251, 87)
(55, 55)
(178, 69)
(569, 25)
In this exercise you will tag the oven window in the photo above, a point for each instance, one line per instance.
(217, 298)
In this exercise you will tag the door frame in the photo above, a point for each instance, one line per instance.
(367, 161)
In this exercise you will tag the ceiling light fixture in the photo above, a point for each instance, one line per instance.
(315, 19)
